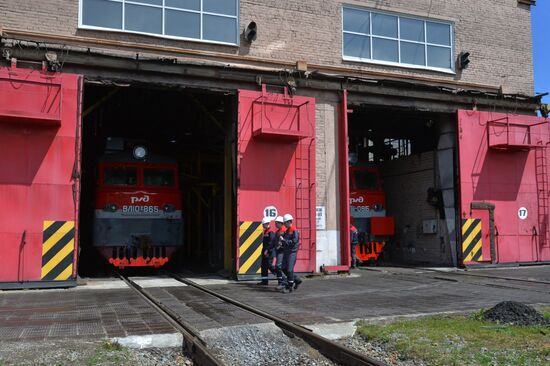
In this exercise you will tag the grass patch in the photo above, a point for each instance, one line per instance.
(545, 311)
(111, 353)
(463, 340)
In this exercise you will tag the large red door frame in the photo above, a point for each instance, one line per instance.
(275, 173)
(343, 181)
(503, 161)
(39, 180)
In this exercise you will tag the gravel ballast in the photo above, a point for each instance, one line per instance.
(377, 350)
(261, 344)
(86, 352)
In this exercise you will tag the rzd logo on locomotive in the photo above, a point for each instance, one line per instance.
(143, 199)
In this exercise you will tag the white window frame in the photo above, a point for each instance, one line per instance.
(450, 70)
(163, 7)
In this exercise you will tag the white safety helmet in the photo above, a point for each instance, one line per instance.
(288, 217)
(279, 219)
(266, 220)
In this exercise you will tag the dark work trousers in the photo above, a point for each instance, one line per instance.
(266, 266)
(289, 261)
(279, 254)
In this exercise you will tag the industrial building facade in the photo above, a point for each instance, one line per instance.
(265, 106)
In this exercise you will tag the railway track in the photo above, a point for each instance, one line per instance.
(476, 279)
(192, 343)
(202, 355)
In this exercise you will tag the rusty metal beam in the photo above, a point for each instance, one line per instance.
(211, 78)
(26, 35)
(206, 112)
(97, 104)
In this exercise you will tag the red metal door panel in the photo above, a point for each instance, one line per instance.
(39, 129)
(502, 161)
(276, 167)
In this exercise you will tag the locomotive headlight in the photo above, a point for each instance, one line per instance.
(169, 208)
(110, 207)
(140, 152)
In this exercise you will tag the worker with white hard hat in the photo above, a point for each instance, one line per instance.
(291, 244)
(278, 251)
(267, 251)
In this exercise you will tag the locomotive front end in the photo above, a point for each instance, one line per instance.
(138, 217)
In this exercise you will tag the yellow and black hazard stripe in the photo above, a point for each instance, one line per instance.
(250, 247)
(57, 250)
(471, 240)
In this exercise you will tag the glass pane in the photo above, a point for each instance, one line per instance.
(227, 7)
(384, 25)
(143, 19)
(184, 4)
(356, 21)
(438, 33)
(152, 2)
(413, 53)
(412, 29)
(182, 24)
(101, 13)
(356, 46)
(158, 177)
(384, 50)
(219, 29)
(366, 180)
(439, 57)
(120, 176)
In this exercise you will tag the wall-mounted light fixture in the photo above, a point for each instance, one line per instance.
(251, 32)
(463, 60)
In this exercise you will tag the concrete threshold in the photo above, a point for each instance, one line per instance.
(334, 331)
(156, 282)
(167, 340)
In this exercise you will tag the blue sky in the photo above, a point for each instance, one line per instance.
(541, 47)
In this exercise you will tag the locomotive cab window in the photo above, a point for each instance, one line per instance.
(158, 177)
(120, 175)
(365, 179)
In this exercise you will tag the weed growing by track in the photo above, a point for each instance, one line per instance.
(463, 340)
(111, 353)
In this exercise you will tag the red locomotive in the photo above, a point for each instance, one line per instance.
(137, 220)
(368, 212)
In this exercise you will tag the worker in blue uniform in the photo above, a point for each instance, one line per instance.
(267, 251)
(278, 251)
(291, 244)
(354, 241)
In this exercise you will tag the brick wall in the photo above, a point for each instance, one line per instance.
(406, 182)
(497, 33)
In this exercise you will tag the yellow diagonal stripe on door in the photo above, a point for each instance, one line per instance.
(67, 249)
(251, 239)
(250, 261)
(466, 225)
(471, 237)
(52, 240)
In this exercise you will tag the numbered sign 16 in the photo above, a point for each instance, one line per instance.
(271, 212)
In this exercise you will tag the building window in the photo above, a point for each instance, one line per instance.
(203, 20)
(387, 38)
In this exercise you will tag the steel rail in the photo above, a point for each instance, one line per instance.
(511, 279)
(332, 350)
(455, 277)
(193, 345)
